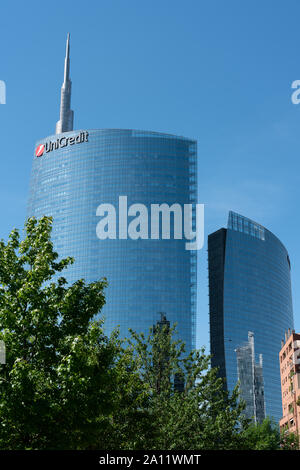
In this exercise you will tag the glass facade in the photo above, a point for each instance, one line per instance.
(251, 383)
(71, 178)
(249, 290)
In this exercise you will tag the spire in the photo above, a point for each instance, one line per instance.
(66, 116)
(67, 60)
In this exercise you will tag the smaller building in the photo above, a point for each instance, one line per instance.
(251, 382)
(289, 358)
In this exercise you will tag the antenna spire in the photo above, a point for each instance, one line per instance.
(66, 116)
(67, 60)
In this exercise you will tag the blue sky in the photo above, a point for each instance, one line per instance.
(217, 71)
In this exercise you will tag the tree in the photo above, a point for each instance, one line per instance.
(66, 385)
(262, 436)
(201, 416)
(129, 425)
(60, 382)
(289, 441)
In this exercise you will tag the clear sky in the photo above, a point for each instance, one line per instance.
(217, 71)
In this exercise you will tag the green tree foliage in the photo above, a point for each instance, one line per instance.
(66, 385)
(199, 414)
(262, 436)
(289, 441)
(61, 378)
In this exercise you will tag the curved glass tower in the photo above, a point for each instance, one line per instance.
(250, 294)
(74, 172)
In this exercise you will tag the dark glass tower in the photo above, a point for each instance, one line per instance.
(74, 172)
(249, 290)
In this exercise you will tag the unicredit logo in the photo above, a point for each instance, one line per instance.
(61, 143)
(39, 150)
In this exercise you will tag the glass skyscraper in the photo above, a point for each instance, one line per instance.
(74, 172)
(145, 276)
(249, 290)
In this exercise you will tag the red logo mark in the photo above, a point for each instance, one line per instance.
(40, 150)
